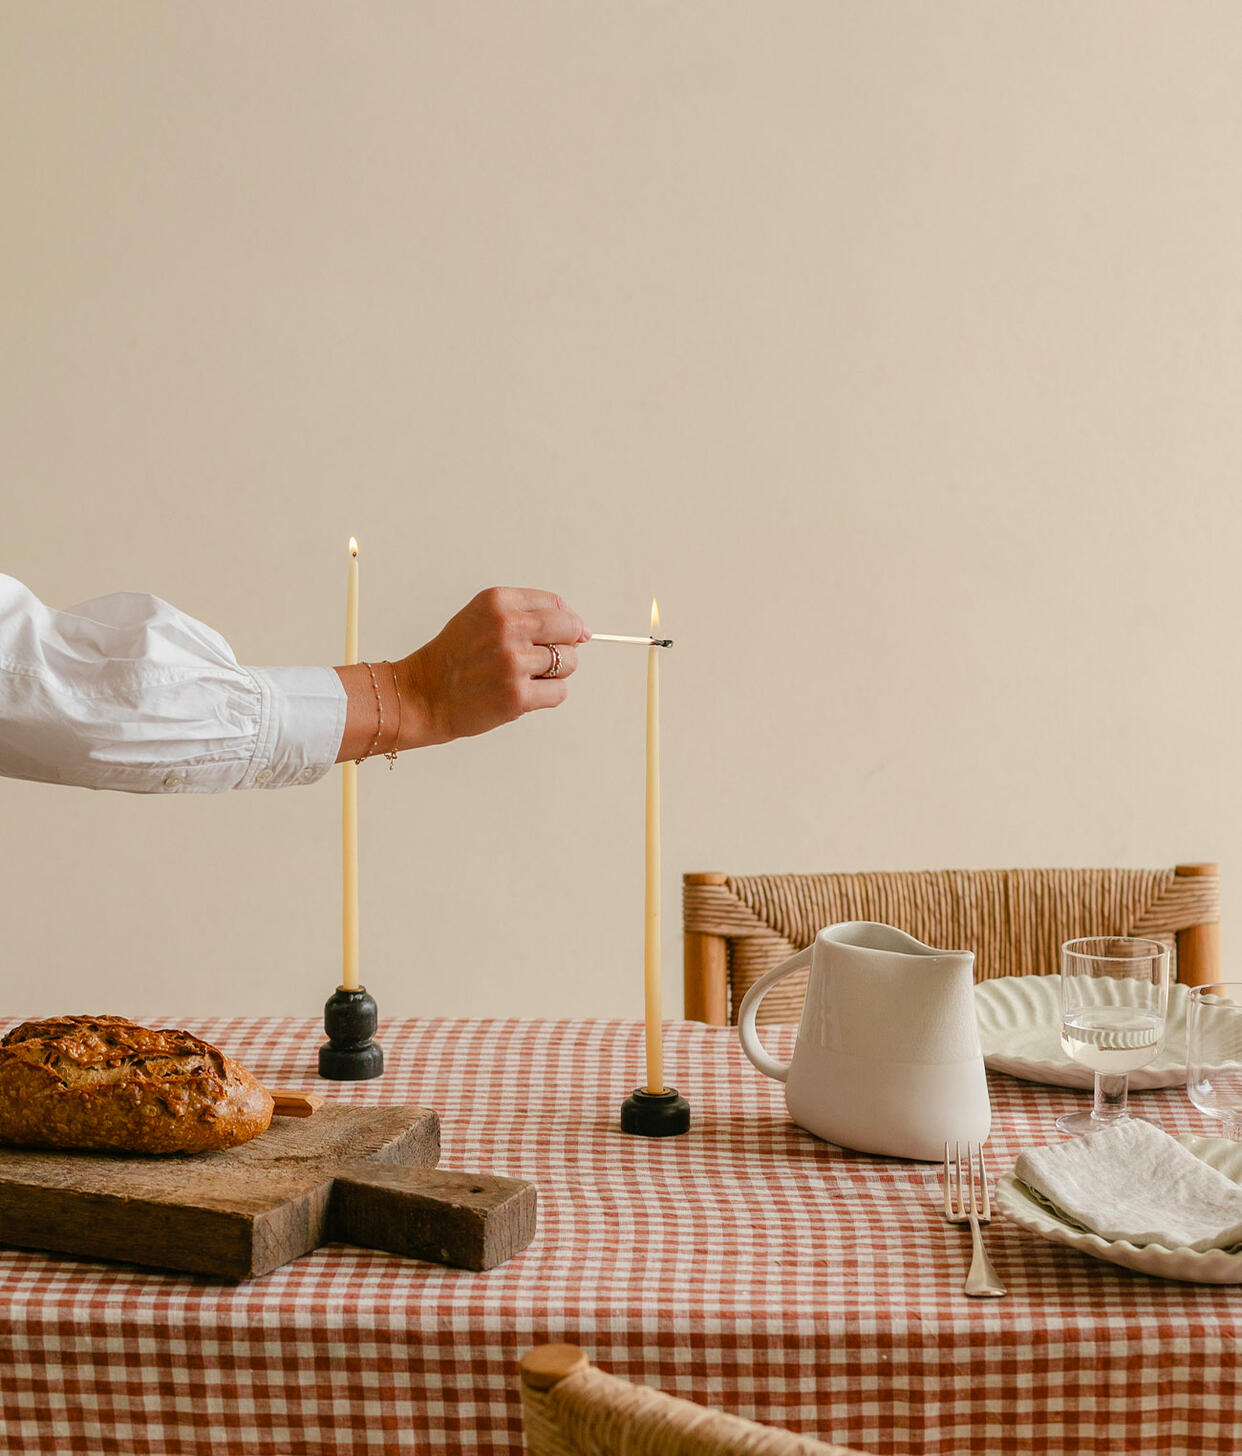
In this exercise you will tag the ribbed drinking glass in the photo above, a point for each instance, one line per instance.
(1114, 1000)
(1214, 1053)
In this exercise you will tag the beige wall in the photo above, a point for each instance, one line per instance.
(897, 347)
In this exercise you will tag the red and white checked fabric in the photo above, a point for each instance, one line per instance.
(746, 1266)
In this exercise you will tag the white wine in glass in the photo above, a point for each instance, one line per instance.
(1114, 999)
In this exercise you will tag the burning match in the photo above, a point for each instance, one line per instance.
(641, 641)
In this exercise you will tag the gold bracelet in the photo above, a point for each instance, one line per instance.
(379, 704)
(391, 755)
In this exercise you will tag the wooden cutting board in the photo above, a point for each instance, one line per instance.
(356, 1175)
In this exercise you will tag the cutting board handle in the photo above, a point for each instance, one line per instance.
(294, 1104)
(469, 1220)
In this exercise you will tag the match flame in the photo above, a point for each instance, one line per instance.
(655, 616)
(353, 546)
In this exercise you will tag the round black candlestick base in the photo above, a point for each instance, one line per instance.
(350, 1019)
(655, 1114)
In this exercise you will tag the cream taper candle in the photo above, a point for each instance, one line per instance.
(651, 948)
(349, 804)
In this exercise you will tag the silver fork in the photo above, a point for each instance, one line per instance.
(968, 1207)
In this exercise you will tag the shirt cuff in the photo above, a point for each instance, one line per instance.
(301, 723)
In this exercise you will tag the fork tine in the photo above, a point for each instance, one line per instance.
(986, 1215)
(948, 1188)
(970, 1177)
(957, 1165)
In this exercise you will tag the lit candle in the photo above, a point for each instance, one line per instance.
(651, 958)
(349, 804)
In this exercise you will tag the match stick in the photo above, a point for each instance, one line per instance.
(641, 641)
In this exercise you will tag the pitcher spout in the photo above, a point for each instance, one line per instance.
(871, 936)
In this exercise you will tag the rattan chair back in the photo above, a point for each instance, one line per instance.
(1015, 921)
(570, 1408)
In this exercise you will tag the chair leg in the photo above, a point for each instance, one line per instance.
(706, 962)
(1198, 946)
(707, 978)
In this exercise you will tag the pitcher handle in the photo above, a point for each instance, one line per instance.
(750, 1009)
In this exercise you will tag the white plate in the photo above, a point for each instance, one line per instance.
(1021, 1206)
(1020, 1033)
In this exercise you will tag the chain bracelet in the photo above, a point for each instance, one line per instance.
(391, 755)
(379, 705)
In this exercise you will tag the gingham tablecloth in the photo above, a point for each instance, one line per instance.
(746, 1266)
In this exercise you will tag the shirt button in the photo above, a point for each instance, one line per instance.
(263, 775)
(308, 774)
(173, 779)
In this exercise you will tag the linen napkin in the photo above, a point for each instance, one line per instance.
(1134, 1182)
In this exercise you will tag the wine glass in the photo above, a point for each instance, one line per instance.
(1114, 999)
(1214, 1053)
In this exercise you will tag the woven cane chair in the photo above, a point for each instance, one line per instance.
(570, 1408)
(739, 926)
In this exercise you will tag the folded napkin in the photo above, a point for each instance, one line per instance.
(1134, 1182)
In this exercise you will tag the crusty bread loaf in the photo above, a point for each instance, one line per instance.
(104, 1083)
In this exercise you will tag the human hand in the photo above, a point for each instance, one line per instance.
(485, 667)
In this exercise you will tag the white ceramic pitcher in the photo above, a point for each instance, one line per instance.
(887, 1059)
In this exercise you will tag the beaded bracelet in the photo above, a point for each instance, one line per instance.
(391, 753)
(379, 704)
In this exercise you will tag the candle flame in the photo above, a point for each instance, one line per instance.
(353, 546)
(655, 616)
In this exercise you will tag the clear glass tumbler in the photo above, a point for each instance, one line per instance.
(1114, 1000)
(1214, 1053)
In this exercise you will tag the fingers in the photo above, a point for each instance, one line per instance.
(486, 666)
(530, 599)
(521, 612)
(544, 693)
(540, 661)
(549, 624)
(548, 617)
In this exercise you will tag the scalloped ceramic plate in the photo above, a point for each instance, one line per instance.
(1020, 1034)
(1216, 1266)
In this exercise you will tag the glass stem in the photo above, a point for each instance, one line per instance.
(1110, 1096)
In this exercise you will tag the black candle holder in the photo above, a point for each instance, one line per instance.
(350, 1019)
(655, 1114)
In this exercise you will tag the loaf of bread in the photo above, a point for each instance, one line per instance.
(103, 1083)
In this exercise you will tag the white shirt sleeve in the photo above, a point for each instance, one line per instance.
(126, 692)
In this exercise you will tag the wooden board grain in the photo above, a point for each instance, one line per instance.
(471, 1220)
(241, 1213)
